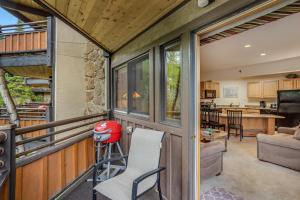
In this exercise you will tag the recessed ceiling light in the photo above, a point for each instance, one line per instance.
(247, 46)
(263, 54)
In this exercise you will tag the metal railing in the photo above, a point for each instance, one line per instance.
(26, 113)
(29, 27)
(75, 144)
(84, 121)
(24, 37)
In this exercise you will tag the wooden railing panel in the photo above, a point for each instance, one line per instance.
(45, 177)
(71, 163)
(34, 179)
(56, 178)
(28, 122)
(19, 176)
(16, 42)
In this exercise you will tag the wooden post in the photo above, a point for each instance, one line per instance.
(10, 106)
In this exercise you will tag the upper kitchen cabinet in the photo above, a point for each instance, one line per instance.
(210, 85)
(289, 84)
(286, 84)
(254, 89)
(269, 88)
(297, 83)
(262, 89)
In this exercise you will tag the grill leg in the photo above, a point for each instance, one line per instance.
(109, 157)
(121, 152)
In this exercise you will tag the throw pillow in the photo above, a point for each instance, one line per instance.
(297, 134)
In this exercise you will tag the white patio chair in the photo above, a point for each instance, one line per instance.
(142, 172)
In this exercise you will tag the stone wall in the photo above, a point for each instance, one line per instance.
(95, 85)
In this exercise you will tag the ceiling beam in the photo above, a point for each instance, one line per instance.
(19, 7)
(19, 15)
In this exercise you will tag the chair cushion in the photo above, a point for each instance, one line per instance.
(297, 134)
(279, 139)
(120, 187)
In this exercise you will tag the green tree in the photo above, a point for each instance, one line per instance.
(20, 93)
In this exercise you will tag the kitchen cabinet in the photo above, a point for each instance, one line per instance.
(254, 89)
(269, 88)
(262, 89)
(297, 83)
(286, 84)
(209, 85)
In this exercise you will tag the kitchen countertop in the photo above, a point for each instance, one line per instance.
(256, 116)
(246, 107)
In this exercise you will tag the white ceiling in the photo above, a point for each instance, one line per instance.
(279, 40)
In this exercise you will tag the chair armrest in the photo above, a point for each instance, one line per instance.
(286, 130)
(100, 164)
(143, 177)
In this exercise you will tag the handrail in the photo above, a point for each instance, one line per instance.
(53, 142)
(55, 133)
(23, 24)
(21, 131)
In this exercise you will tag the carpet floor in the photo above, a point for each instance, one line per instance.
(246, 176)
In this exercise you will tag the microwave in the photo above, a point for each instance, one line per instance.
(210, 94)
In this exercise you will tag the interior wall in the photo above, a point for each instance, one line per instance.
(261, 69)
(70, 97)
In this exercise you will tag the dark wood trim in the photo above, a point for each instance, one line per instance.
(24, 60)
(20, 16)
(23, 52)
(50, 41)
(19, 7)
(153, 125)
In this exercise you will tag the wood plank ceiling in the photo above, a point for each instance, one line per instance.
(111, 23)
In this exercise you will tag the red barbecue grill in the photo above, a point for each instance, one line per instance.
(107, 134)
(113, 128)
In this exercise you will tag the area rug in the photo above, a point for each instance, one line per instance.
(217, 193)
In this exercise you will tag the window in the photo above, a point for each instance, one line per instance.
(138, 72)
(171, 90)
(133, 79)
(121, 95)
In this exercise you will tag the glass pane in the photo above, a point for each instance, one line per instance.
(173, 82)
(139, 85)
(121, 88)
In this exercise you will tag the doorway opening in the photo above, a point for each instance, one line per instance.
(246, 65)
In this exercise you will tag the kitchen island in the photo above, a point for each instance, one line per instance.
(255, 123)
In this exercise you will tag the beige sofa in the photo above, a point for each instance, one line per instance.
(281, 149)
(211, 159)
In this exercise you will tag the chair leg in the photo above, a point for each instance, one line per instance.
(159, 188)
(241, 133)
(228, 132)
(94, 195)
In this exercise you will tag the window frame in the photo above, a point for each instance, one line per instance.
(163, 83)
(150, 115)
(114, 88)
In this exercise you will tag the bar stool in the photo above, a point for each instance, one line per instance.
(204, 118)
(234, 121)
(214, 119)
